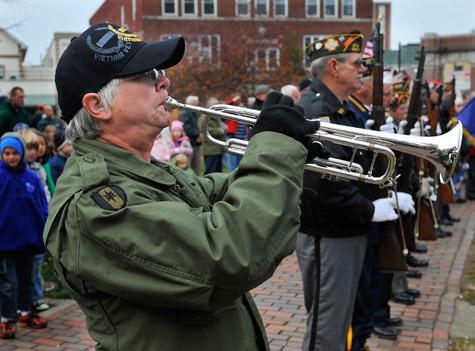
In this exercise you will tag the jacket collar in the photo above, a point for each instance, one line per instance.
(123, 159)
(331, 101)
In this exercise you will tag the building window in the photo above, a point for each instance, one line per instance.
(169, 7)
(267, 59)
(261, 7)
(189, 7)
(307, 40)
(200, 47)
(312, 8)
(242, 8)
(2, 71)
(348, 8)
(280, 8)
(330, 7)
(209, 8)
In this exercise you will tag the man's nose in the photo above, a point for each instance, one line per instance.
(163, 83)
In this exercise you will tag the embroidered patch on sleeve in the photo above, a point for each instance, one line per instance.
(110, 197)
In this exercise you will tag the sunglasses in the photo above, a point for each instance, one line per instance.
(357, 63)
(152, 77)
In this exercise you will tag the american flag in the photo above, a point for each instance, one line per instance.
(368, 51)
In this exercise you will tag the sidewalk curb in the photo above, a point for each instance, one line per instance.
(463, 321)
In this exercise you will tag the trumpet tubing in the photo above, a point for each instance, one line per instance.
(442, 151)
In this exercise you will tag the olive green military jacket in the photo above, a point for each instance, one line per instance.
(160, 260)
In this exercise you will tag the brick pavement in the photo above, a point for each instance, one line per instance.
(280, 300)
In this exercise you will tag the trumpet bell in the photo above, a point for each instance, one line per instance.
(445, 150)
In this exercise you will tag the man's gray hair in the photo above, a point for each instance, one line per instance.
(289, 89)
(83, 125)
(318, 67)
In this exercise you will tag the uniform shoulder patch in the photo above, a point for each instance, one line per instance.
(110, 197)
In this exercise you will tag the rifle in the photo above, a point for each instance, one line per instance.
(446, 193)
(390, 253)
(408, 163)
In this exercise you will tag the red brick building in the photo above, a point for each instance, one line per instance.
(259, 25)
(264, 31)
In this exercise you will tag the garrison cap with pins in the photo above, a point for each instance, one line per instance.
(401, 89)
(103, 52)
(344, 43)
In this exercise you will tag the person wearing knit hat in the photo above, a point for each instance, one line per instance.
(64, 149)
(22, 217)
(17, 147)
(166, 148)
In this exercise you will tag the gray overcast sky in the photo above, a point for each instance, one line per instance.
(35, 21)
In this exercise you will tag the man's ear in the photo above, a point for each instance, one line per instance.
(92, 103)
(331, 67)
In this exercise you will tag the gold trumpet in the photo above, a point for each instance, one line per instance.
(442, 151)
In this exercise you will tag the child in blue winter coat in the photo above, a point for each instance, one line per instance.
(22, 217)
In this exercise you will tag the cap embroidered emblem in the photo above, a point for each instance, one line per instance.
(331, 44)
(113, 45)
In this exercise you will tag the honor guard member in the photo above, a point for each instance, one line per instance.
(158, 259)
(336, 214)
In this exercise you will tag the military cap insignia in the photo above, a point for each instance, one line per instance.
(335, 44)
(110, 197)
(400, 92)
(331, 44)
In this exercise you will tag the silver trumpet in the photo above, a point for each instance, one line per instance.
(442, 151)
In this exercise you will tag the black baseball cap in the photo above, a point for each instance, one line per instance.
(104, 52)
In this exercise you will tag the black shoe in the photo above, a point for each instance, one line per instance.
(452, 219)
(414, 273)
(461, 201)
(445, 221)
(420, 248)
(413, 292)
(403, 298)
(394, 321)
(416, 262)
(385, 333)
(440, 233)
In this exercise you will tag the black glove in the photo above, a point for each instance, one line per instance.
(316, 149)
(280, 115)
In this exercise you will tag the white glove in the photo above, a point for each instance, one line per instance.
(383, 210)
(433, 195)
(425, 187)
(369, 124)
(405, 201)
(416, 131)
(438, 130)
(401, 127)
(388, 126)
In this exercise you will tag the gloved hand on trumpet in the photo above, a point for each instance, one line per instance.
(279, 114)
(387, 127)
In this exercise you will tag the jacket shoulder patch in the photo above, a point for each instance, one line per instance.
(110, 197)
